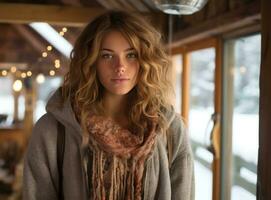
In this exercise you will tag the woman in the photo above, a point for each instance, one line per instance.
(114, 107)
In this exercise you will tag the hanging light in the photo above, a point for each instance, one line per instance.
(180, 7)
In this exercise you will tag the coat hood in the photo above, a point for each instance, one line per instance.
(63, 113)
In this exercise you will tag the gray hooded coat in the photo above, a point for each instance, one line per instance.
(40, 179)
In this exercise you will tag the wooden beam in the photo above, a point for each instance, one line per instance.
(8, 65)
(64, 15)
(110, 5)
(126, 5)
(218, 25)
(39, 45)
(139, 5)
(71, 2)
(36, 43)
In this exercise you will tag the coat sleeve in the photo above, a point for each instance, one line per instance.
(182, 166)
(40, 177)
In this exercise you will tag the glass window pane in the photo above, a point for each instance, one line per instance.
(245, 116)
(45, 90)
(201, 109)
(6, 100)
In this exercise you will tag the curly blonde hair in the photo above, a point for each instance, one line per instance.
(149, 98)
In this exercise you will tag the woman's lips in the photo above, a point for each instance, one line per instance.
(119, 80)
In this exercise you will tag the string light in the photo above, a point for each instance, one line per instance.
(23, 75)
(61, 33)
(4, 72)
(40, 78)
(52, 72)
(17, 85)
(64, 29)
(44, 54)
(13, 69)
(57, 63)
(49, 48)
(29, 73)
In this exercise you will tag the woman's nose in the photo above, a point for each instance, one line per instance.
(120, 70)
(120, 67)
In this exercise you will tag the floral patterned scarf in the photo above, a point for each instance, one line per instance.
(118, 159)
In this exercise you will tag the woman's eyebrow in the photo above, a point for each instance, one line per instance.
(106, 49)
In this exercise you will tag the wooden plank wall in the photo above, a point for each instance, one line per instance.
(216, 8)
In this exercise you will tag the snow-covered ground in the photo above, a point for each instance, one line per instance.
(245, 134)
(245, 144)
(203, 188)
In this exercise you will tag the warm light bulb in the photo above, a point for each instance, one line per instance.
(29, 73)
(44, 54)
(40, 78)
(52, 72)
(64, 29)
(23, 75)
(57, 65)
(13, 69)
(17, 85)
(61, 33)
(49, 48)
(4, 72)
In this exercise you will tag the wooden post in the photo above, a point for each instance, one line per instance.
(186, 86)
(264, 159)
(30, 104)
(217, 130)
(16, 106)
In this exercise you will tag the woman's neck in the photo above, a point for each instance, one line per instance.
(115, 106)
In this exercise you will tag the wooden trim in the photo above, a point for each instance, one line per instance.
(64, 15)
(235, 19)
(218, 73)
(185, 86)
(185, 50)
(178, 50)
(250, 29)
(264, 159)
(217, 128)
(203, 44)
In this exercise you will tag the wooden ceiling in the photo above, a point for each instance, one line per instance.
(22, 46)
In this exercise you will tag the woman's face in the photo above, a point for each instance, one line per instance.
(117, 64)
